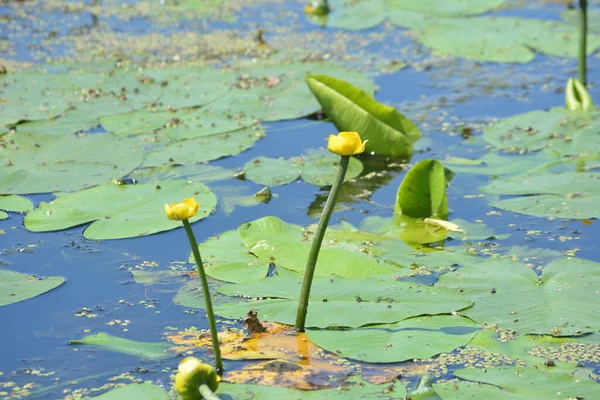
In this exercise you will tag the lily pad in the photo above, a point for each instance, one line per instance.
(227, 258)
(475, 231)
(274, 92)
(571, 17)
(120, 211)
(319, 167)
(355, 392)
(15, 203)
(350, 109)
(523, 302)
(145, 391)
(566, 195)
(565, 132)
(422, 193)
(145, 350)
(15, 286)
(271, 171)
(355, 15)
(503, 39)
(204, 149)
(339, 302)
(449, 8)
(498, 165)
(422, 337)
(518, 383)
(36, 163)
(192, 172)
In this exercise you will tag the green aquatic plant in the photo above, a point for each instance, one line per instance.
(577, 96)
(183, 211)
(345, 144)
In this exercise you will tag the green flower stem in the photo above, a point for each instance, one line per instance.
(207, 393)
(316, 244)
(583, 28)
(209, 308)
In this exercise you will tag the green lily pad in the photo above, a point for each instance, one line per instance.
(571, 17)
(36, 163)
(15, 286)
(565, 132)
(120, 211)
(15, 203)
(270, 238)
(319, 167)
(422, 193)
(204, 149)
(522, 302)
(226, 258)
(421, 337)
(566, 195)
(192, 172)
(234, 196)
(449, 8)
(355, 15)
(496, 164)
(503, 39)
(475, 231)
(518, 383)
(364, 390)
(274, 92)
(350, 109)
(271, 171)
(145, 350)
(146, 391)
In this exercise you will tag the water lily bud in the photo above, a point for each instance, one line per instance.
(346, 144)
(577, 96)
(191, 374)
(317, 7)
(184, 210)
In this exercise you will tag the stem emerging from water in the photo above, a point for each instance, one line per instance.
(583, 22)
(207, 393)
(316, 244)
(209, 308)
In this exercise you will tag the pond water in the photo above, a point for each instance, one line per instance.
(442, 93)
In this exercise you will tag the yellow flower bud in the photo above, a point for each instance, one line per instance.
(184, 210)
(191, 374)
(346, 144)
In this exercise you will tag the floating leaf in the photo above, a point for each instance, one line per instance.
(355, 16)
(422, 193)
(15, 286)
(37, 163)
(256, 95)
(496, 164)
(422, 337)
(522, 302)
(475, 231)
(271, 171)
(119, 211)
(503, 39)
(363, 391)
(566, 195)
(350, 109)
(15, 203)
(339, 301)
(204, 149)
(319, 167)
(108, 342)
(192, 172)
(565, 132)
(449, 8)
(146, 391)
(572, 17)
(226, 258)
(518, 383)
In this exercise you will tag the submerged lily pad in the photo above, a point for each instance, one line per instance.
(319, 167)
(503, 39)
(120, 211)
(422, 337)
(36, 163)
(108, 342)
(561, 302)
(339, 302)
(15, 286)
(566, 195)
(271, 171)
(519, 383)
(205, 148)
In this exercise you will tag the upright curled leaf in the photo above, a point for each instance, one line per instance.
(422, 193)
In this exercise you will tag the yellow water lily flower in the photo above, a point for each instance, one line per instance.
(184, 210)
(346, 144)
(192, 373)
